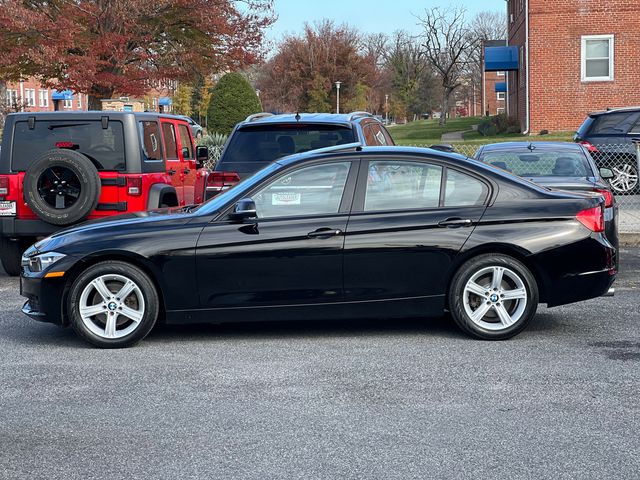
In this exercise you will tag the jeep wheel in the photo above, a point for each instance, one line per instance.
(11, 255)
(62, 187)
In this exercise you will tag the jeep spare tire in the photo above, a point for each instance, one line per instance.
(62, 187)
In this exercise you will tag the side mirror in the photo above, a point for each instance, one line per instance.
(244, 209)
(606, 173)
(202, 156)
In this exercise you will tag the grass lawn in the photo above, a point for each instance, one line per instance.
(428, 131)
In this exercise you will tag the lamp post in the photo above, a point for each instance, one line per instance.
(338, 96)
(386, 109)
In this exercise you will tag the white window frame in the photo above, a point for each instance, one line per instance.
(30, 97)
(500, 73)
(12, 97)
(583, 58)
(79, 101)
(500, 110)
(67, 103)
(500, 96)
(43, 98)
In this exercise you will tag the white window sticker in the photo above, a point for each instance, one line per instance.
(286, 198)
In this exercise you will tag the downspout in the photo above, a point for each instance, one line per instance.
(526, 49)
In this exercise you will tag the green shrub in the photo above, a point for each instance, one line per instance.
(487, 128)
(233, 99)
(513, 129)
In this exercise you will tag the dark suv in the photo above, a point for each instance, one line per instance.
(263, 138)
(609, 135)
(60, 168)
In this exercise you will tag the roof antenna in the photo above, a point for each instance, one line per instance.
(531, 147)
(297, 117)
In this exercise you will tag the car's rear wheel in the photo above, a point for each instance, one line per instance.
(113, 305)
(625, 178)
(493, 297)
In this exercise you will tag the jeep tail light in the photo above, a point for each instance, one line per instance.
(219, 181)
(65, 145)
(608, 196)
(134, 186)
(592, 218)
(589, 146)
(4, 185)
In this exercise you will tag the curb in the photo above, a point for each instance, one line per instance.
(629, 239)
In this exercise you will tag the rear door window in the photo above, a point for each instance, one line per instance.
(463, 190)
(103, 146)
(150, 137)
(170, 142)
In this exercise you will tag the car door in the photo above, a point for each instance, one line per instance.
(291, 254)
(411, 217)
(189, 172)
(172, 155)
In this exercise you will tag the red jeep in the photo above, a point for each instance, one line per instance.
(60, 168)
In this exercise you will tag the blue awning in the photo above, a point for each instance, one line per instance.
(165, 101)
(63, 95)
(501, 87)
(497, 59)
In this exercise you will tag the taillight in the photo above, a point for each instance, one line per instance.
(65, 145)
(592, 218)
(589, 146)
(608, 196)
(4, 185)
(219, 181)
(134, 186)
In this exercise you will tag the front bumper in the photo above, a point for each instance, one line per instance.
(44, 298)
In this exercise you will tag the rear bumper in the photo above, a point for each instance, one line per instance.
(15, 228)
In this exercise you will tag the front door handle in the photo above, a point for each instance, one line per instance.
(186, 171)
(325, 233)
(171, 172)
(455, 222)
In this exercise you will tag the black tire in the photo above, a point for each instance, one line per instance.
(489, 326)
(114, 268)
(11, 255)
(80, 192)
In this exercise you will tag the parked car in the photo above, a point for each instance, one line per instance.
(263, 138)
(60, 168)
(339, 233)
(196, 129)
(608, 136)
(557, 165)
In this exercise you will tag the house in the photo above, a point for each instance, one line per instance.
(572, 57)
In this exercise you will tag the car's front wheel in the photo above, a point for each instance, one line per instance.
(493, 297)
(113, 304)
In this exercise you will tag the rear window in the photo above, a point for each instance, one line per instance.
(615, 123)
(265, 144)
(541, 164)
(103, 146)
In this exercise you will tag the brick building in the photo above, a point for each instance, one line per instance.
(33, 97)
(494, 89)
(575, 57)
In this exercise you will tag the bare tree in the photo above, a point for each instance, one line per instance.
(447, 43)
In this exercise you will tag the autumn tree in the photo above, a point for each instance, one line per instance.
(104, 47)
(182, 99)
(318, 95)
(324, 50)
(233, 99)
(446, 41)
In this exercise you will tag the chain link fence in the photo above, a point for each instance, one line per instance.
(623, 161)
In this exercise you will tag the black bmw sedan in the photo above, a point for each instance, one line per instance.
(341, 233)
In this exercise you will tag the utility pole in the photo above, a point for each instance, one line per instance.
(338, 96)
(386, 109)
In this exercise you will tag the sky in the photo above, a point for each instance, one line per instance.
(369, 16)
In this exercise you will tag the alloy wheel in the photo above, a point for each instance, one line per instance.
(625, 178)
(59, 187)
(112, 306)
(495, 298)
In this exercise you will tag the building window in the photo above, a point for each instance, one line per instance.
(79, 101)
(597, 58)
(12, 97)
(29, 97)
(500, 110)
(44, 98)
(500, 95)
(500, 74)
(68, 103)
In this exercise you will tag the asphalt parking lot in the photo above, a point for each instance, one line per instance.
(397, 399)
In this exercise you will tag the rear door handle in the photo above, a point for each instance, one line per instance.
(171, 172)
(455, 222)
(186, 171)
(325, 233)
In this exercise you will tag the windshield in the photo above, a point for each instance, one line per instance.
(541, 164)
(266, 143)
(219, 201)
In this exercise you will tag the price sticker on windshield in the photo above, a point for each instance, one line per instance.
(286, 198)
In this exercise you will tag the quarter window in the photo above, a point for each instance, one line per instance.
(150, 136)
(463, 190)
(170, 144)
(597, 58)
(394, 185)
(315, 190)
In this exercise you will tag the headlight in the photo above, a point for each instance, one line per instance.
(38, 263)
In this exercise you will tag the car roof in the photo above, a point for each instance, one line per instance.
(511, 146)
(327, 118)
(96, 114)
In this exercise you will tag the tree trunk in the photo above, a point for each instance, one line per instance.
(96, 94)
(3, 106)
(444, 107)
